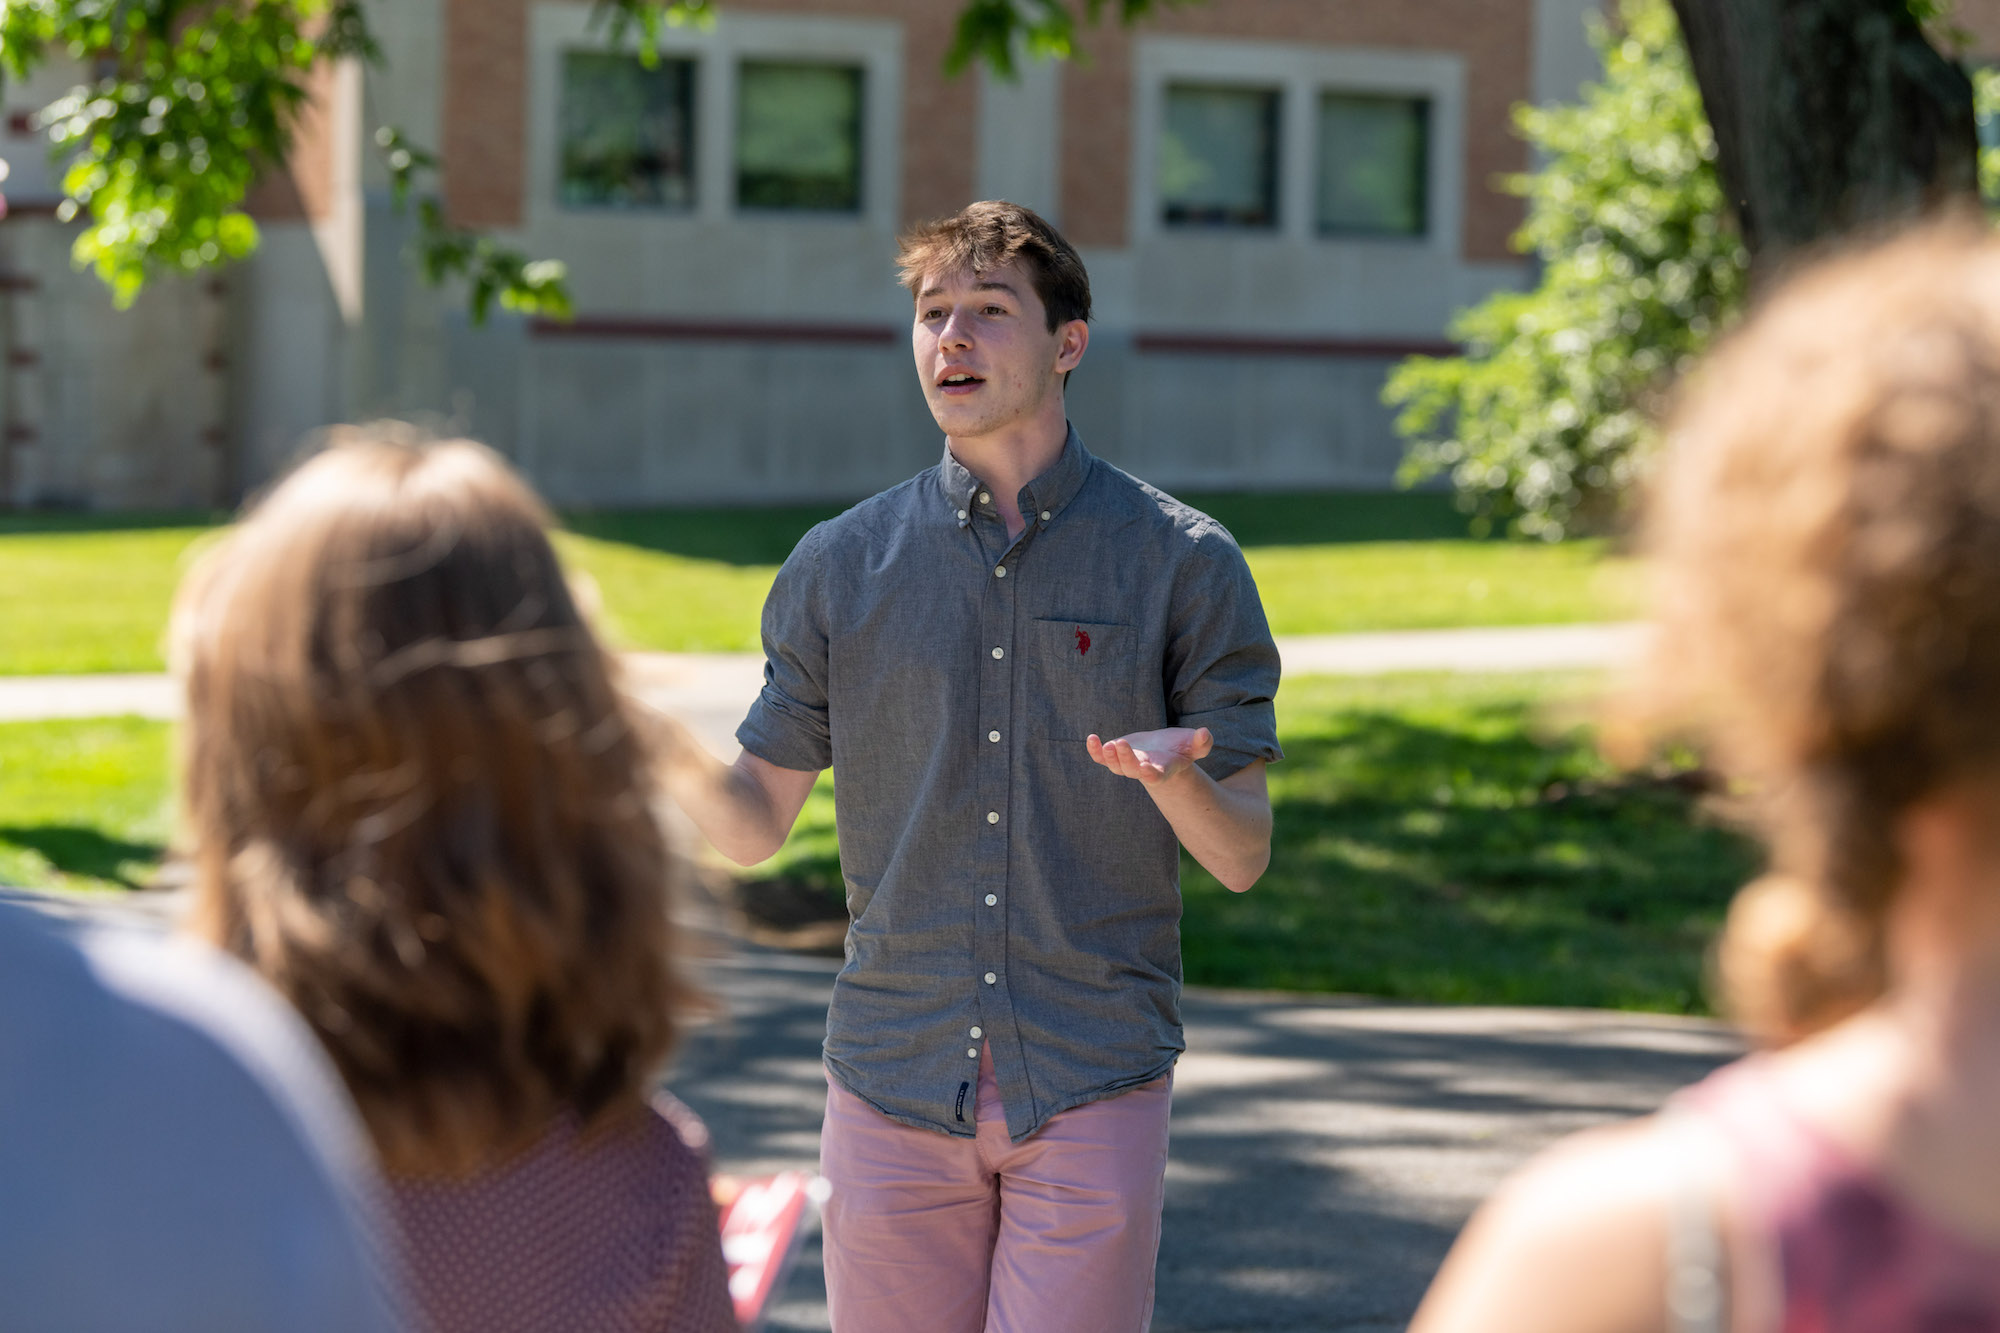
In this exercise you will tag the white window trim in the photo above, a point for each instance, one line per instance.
(876, 45)
(1301, 74)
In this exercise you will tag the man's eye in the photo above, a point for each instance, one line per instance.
(933, 314)
(996, 310)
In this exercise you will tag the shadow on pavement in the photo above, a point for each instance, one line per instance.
(1325, 1151)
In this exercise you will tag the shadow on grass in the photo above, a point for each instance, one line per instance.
(1458, 853)
(77, 850)
(767, 536)
(1476, 861)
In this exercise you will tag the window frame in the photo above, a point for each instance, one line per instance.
(1427, 113)
(875, 46)
(1302, 74)
(1275, 92)
(694, 109)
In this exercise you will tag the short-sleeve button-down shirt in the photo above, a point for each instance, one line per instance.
(1003, 887)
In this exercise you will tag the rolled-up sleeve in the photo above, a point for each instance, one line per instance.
(1222, 664)
(787, 726)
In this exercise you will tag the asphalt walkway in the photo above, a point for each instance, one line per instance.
(712, 690)
(1325, 1150)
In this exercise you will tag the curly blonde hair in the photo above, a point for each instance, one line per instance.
(417, 804)
(1826, 541)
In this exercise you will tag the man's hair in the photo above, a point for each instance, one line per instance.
(984, 236)
(420, 806)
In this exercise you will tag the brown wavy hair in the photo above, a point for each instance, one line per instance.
(416, 802)
(1826, 540)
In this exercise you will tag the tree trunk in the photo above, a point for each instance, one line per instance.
(1830, 116)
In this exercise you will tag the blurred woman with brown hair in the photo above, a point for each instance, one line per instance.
(1827, 541)
(417, 804)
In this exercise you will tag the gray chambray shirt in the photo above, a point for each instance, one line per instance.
(1002, 886)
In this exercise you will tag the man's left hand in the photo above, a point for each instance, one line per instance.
(1152, 756)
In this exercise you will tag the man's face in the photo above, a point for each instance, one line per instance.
(984, 351)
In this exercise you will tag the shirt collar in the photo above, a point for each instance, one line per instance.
(1046, 494)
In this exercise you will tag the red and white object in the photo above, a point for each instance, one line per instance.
(763, 1222)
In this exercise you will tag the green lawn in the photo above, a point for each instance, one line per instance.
(87, 593)
(1451, 839)
(83, 805)
(1438, 838)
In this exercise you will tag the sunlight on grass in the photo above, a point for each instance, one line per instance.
(78, 598)
(83, 805)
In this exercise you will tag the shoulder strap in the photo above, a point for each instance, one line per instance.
(1696, 1284)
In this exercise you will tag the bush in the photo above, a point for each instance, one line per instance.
(1548, 418)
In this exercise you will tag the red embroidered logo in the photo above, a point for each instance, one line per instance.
(1082, 641)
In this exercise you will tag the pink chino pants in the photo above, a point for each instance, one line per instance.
(926, 1233)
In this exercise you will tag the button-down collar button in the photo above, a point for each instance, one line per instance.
(985, 497)
(972, 1052)
(961, 515)
(991, 978)
(999, 571)
(992, 816)
(991, 899)
(1045, 516)
(993, 736)
(977, 1033)
(999, 653)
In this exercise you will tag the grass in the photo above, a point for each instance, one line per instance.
(1451, 839)
(88, 593)
(83, 805)
(1438, 838)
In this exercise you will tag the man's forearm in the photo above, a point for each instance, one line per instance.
(733, 805)
(1226, 826)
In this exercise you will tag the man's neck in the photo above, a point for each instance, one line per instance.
(1009, 458)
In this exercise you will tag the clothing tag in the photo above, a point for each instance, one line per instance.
(963, 1088)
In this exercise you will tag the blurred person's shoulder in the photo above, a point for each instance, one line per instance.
(1577, 1240)
(172, 1142)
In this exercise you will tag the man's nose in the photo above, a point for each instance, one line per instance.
(957, 331)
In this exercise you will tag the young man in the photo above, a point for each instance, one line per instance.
(1001, 1041)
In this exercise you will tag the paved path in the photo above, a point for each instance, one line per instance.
(1325, 1151)
(711, 690)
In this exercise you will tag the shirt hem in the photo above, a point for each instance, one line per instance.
(1041, 1122)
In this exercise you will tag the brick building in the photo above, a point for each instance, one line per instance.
(1276, 199)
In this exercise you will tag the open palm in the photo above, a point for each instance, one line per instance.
(1152, 756)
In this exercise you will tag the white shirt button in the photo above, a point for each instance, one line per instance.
(991, 899)
(992, 816)
(991, 978)
(999, 653)
(993, 736)
(972, 1052)
(961, 513)
(1045, 516)
(977, 1033)
(985, 497)
(999, 571)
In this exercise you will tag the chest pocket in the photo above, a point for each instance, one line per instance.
(1082, 680)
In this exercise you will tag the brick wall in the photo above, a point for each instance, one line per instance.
(486, 96)
(1494, 36)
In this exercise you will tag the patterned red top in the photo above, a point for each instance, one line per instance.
(613, 1234)
(1855, 1257)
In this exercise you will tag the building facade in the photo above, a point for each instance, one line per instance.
(1277, 199)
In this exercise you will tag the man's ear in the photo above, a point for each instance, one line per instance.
(1075, 338)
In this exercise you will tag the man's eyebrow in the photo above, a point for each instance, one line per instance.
(929, 292)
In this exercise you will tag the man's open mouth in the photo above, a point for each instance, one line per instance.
(960, 379)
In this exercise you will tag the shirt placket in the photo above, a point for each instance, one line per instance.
(997, 622)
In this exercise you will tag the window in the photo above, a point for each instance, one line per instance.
(798, 137)
(1218, 162)
(627, 132)
(1373, 160)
